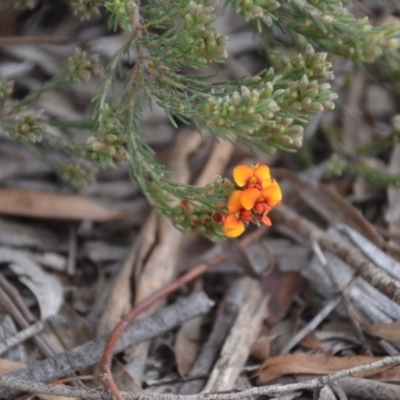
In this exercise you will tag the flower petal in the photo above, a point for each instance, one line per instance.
(265, 220)
(234, 204)
(233, 227)
(262, 173)
(249, 198)
(266, 182)
(272, 194)
(242, 174)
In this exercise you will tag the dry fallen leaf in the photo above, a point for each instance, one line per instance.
(7, 366)
(186, 345)
(389, 374)
(281, 287)
(261, 348)
(45, 286)
(313, 343)
(284, 330)
(302, 363)
(389, 332)
(32, 204)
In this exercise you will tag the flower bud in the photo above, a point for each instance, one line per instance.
(205, 219)
(97, 146)
(304, 82)
(316, 107)
(111, 150)
(194, 220)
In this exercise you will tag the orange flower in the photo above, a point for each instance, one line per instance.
(233, 223)
(258, 194)
(255, 176)
(262, 201)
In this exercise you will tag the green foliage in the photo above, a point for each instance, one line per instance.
(376, 177)
(267, 111)
(86, 8)
(358, 164)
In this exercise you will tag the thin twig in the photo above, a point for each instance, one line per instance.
(347, 303)
(338, 390)
(72, 250)
(352, 256)
(40, 388)
(91, 352)
(370, 389)
(105, 365)
(211, 348)
(200, 269)
(25, 334)
(11, 309)
(312, 325)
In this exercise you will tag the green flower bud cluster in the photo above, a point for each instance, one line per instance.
(107, 149)
(201, 41)
(300, 93)
(266, 111)
(282, 133)
(247, 109)
(76, 174)
(86, 8)
(256, 9)
(121, 13)
(305, 97)
(189, 37)
(311, 63)
(108, 145)
(326, 23)
(336, 165)
(206, 220)
(332, 26)
(28, 127)
(82, 66)
(201, 220)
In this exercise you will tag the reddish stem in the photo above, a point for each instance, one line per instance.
(200, 269)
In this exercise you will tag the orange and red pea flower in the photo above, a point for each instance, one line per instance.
(258, 193)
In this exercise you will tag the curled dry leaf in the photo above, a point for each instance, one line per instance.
(312, 342)
(186, 345)
(281, 287)
(260, 350)
(389, 332)
(45, 286)
(284, 331)
(315, 364)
